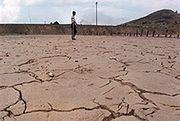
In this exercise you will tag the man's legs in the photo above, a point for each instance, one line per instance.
(73, 31)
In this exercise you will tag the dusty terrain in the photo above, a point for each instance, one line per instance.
(95, 78)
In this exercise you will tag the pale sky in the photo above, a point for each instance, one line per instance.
(112, 12)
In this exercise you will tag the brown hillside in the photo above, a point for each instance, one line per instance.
(160, 19)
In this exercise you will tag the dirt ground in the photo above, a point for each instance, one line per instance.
(95, 78)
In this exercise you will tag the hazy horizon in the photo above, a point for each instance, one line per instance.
(110, 12)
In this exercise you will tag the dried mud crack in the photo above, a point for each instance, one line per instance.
(113, 114)
(36, 77)
(30, 61)
(7, 109)
(140, 92)
(95, 78)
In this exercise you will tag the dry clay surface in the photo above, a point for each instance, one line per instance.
(95, 78)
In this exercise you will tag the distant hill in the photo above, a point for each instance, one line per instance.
(162, 22)
(160, 19)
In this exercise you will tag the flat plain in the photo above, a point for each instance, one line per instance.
(95, 78)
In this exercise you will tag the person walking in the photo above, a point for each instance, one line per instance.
(73, 25)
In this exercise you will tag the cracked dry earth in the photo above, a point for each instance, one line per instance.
(95, 78)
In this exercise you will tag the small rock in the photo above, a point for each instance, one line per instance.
(76, 61)
(113, 58)
(50, 74)
(7, 55)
